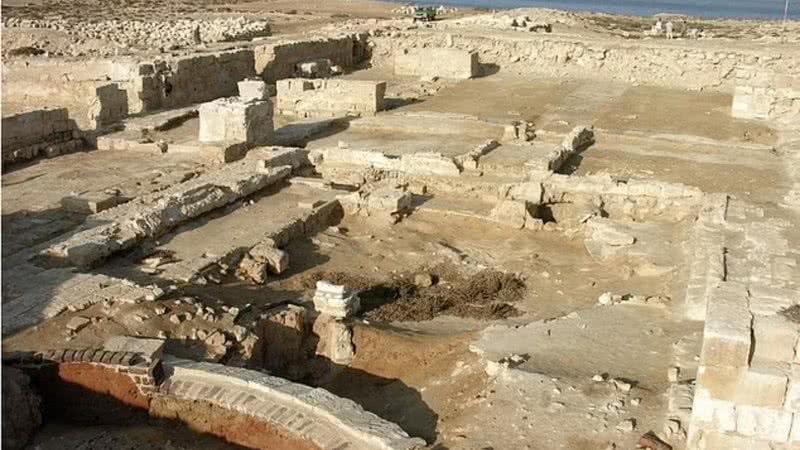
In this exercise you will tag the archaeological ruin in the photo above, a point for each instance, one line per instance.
(275, 225)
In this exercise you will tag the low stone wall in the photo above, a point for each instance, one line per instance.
(657, 63)
(766, 94)
(48, 132)
(329, 97)
(276, 61)
(437, 62)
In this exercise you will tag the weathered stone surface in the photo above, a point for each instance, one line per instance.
(329, 97)
(726, 340)
(236, 120)
(511, 213)
(57, 290)
(150, 349)
(151, 215)
(437, 62)
(336, 301)
(253, 89)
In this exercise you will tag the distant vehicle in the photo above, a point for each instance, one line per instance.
(425, 14)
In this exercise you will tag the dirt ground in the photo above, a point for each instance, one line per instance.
(472, 335)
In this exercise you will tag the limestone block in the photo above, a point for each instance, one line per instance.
(722, 441)
(726, 339)
(775, 338)
(793, 392)
(429, 164)
(149, 348)
(763, 423)
(91, 203)
(511, 213)
(391, 200)
(335, 301)
(720, 383)
(531, 192)
(578, 139)
(231, 119)
(795, 436)
(449, 63)
(253, 89)
(335, 340)
(316, 68)
(762, 386)
(326, 98)
(719, 414)
(277, 260)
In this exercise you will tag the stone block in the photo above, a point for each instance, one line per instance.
(316, 68)
(327, 98)
(391, 200)
(727, 332)
(775, 338)
(91, 203)
(511, 213)
(231, 119)
(720, 383)
(719, 414)
(763, 423)
(149, 348)
(277, 260)
(253, 89)
(335, 301)
(722, 441)
(449, 63)
(795, 434)
(762, 386)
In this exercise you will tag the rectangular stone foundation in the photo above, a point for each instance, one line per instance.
(329, 98)
(437, 62)
(235, 120)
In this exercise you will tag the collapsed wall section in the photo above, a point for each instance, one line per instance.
(329, 97)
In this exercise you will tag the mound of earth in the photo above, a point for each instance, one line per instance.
(487, 295)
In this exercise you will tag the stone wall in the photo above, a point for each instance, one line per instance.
(437, 62)
(747, 391)
(181, 81)
(47, 132)
(276, 61)
(329, 97)
(766, 94)
(656, 63)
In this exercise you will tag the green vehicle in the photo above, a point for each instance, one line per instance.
(425, 14)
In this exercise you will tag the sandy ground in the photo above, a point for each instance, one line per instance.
(445, 380)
